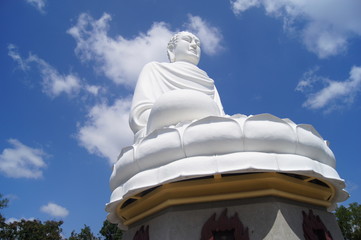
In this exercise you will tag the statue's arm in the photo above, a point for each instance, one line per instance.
(139, 115)
(217, 99)
(143, 100)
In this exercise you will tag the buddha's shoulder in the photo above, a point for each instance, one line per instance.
(159, 67)
(155, 64)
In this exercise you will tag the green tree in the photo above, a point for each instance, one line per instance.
(50, 230)
(31, 230)
(85, 234)
(349, 220)
(110, 231)
(3, 202)
(28, 229)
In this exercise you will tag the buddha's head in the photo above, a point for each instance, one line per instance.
(184, 46)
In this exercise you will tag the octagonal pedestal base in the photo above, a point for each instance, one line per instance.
(257, 218)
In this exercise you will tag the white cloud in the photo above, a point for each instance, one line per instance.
(53, 83)
(121, 59)
(107, 129)
(93, 89)
(54, 210)
(38, 4)
(11, 197)
(325, 26)
(210, 36)
(334, 94)
(307, 82)
(118, 58)
(11, 220)
(351, 186)
(22, 161)
(239, 6)
(14, 54)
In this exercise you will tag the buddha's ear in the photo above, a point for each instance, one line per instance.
(171, 55)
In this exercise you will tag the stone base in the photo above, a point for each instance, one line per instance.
(260, 218)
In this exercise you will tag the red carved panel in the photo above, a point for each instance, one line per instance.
(142, 234)
(313, 227)
(230, 228)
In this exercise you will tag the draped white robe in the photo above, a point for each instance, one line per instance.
(157, 78)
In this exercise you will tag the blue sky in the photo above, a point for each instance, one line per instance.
(68, 69)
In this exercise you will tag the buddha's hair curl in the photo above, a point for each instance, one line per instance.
(173, 43)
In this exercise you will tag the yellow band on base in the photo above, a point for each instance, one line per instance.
(226, 187)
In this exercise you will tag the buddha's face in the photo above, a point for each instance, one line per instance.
(187, 48)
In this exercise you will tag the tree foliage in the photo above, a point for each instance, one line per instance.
(110, 231)
(31, 230)
(349, 220)
(50, 230)
(85, 234)
(28, 229)
(3, 202)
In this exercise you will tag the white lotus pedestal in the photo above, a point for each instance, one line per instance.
(231, 177)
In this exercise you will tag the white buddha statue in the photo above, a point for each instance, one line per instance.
(169, 93)
(181, 132)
